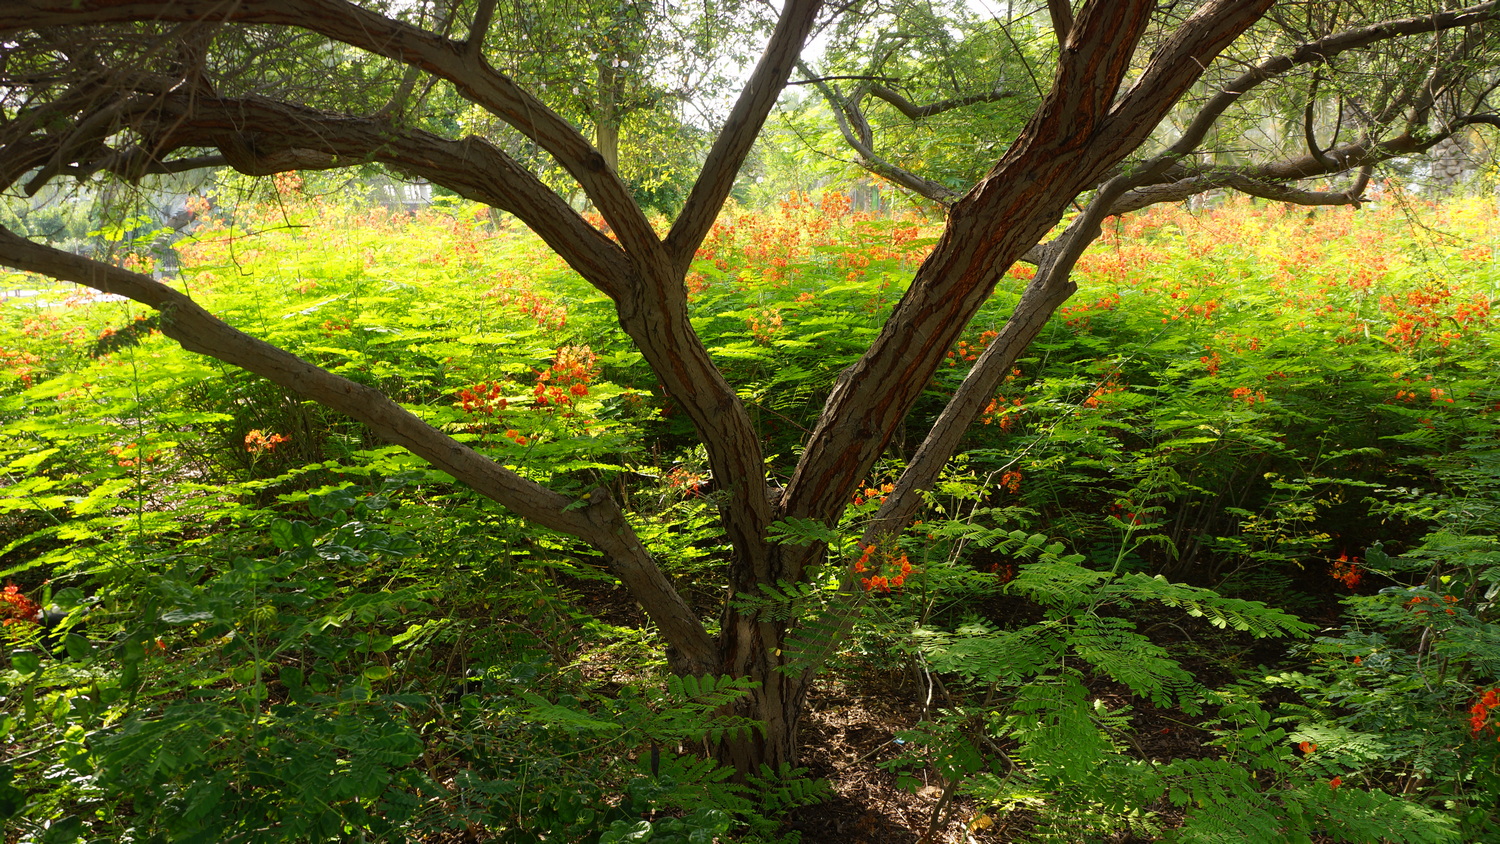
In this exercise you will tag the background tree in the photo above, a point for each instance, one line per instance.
(142, 87)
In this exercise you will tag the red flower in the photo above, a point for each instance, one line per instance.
(1479, 713)
(15, 607)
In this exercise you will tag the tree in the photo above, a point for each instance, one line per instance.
(136, 87)
(1401, 86)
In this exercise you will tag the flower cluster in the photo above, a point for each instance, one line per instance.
(1011, 482)
(482, 398)
(258, 442)
(1248, 396)
(1411, 394)
(1080, 317)
(1479, 713)
(897, 568)
(1204, 310)
(1420, 604)
(548, 313)
(686, 481)
(763, 325)
(1003, 413)
(966, 351)
(17, 608)
(1110, 385)
(1346, 571)
(568, 379)
(22, 363)
(1420, 314)
(288, 183)
(132, 455)
(871, 493)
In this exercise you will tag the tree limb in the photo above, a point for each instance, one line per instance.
(916, 112)
(1062, 151)
(1061, 12)
(856, 131)
(598, 521)
(738, 134)
(401, 42)
(480, 26)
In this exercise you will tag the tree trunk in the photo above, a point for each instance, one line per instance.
(754, 647)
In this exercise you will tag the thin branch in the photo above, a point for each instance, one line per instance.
(1308, 132)
(838, 78)
(856, 131)
(918, 112)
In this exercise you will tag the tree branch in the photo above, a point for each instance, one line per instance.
(1061, 12)
(916, 112)
(738, 134)
(474, 44)
(856, 131)
(598, 522)
(1057, 156)
(372, 32)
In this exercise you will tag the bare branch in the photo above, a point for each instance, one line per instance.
(918, 112)
(1308, 132)
(1318, 51)
(856, 131)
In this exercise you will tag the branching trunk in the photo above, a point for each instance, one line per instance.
(1102, 107)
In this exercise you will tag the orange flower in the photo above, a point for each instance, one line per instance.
(257, 442)
(17, 608)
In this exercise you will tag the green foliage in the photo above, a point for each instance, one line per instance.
(263, 600)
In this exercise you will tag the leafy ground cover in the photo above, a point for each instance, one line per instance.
(1219, 563)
